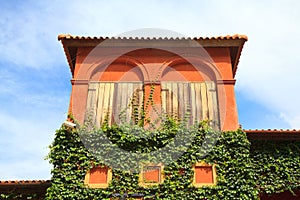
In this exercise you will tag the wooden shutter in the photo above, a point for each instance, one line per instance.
(100, 102)
(114, 102)
(204, 103)
(175, 99)
(197, 101)
(127, 98)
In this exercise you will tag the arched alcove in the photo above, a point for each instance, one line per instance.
(114, 90)
(189, 91)
(189, 69)
(123, 69)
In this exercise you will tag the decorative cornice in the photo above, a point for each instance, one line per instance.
(226, 82)
(79, 81)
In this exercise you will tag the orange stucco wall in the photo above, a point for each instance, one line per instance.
(154, 65)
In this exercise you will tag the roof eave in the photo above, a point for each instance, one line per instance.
(26, 186)
(71, 43)
(273, 135)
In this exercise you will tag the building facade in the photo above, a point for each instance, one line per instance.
(144, 82)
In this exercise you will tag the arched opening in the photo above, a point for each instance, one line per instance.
(190, 94)
(115, 93)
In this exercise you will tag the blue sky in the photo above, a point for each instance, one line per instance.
(34, 74)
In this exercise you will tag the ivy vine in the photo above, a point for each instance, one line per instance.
(242, 172)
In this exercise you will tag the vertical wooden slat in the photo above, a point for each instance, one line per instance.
(198, 102)
(128, 90)
(105, 109)
(205, 115)
(210, 101)
(110, 103)
(163, 95)
(101, 94)
(216, 107)
(136, 101)
(183, 99)
(180, 97)
(116, 105)
(169, 99)
(133, 103)
(119, 113)
(96, 103)
(99, 104)
(92, 105)
(187, 104)
(122, 103)
(213, 104)
(91, 98)
(193, 105)
(175, 110)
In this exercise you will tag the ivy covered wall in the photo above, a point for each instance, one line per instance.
(276, 165)
(243, 170)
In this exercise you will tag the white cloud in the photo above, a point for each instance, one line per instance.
(25, 169)
(24, 143)
(293, 120)
(31, 110)
(269, 65)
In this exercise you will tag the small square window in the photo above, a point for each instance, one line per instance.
(98, 177)
(151, 174)
(204, 175)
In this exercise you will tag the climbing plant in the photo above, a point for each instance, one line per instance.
(242, 173)
(276, 165)
(19, 195)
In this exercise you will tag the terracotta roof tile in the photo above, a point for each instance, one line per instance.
(272, 131)
(227, 37)
(37, 187)
(6, 182)
(273, 134)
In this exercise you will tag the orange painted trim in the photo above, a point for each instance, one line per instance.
(142, 182)
(214, 174)
(98, 185)
(79, 82)
(227, 82)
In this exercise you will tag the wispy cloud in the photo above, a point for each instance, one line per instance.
(33, 105)
(24, 143)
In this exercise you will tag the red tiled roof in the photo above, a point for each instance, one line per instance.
(234, 42)
(14, 182)
(25, 186)
(227, 37)
(273, 134)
